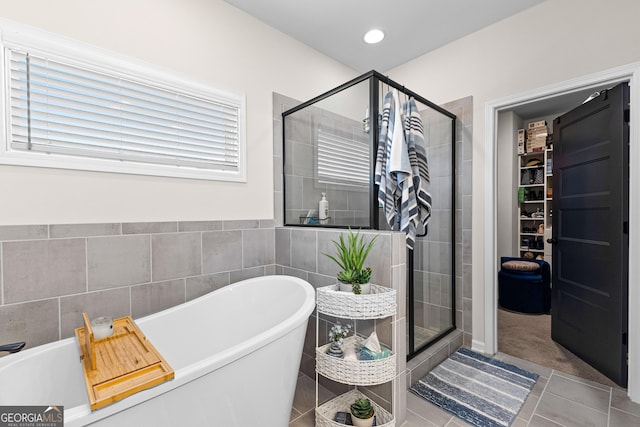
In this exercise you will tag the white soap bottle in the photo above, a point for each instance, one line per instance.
(323, 209)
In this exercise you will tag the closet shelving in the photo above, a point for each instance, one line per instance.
(534, 212)
(379, 304)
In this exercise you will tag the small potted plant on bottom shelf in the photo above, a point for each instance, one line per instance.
(362, 413)
(350, 257)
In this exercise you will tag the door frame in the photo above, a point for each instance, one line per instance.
(629, 73)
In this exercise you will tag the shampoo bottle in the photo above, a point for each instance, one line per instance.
(323, 209)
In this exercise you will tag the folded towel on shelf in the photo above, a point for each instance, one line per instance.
(372, 343)
(350, 353)
(371, 348)
(366, 354)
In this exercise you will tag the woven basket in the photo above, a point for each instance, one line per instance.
(326, 413)
(355, 372)
(378, 304)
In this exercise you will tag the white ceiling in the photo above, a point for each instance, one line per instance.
(412, 27)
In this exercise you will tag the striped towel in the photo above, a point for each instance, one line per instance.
(414, 132)
(400, 166)
(386, 182)
(402, 170)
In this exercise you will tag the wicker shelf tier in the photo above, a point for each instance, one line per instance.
(378, 304)
(355, 372)
(326, 413)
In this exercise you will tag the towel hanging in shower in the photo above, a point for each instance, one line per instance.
(414, 133)
(393, 171)
(386, 181)
(401, 170)
(400, 166)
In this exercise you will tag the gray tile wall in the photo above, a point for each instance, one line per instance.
(300, 253)
(319, 276)
(50, 274)
(463, 109)
(433, 279)
(347, 205)
(432, 290)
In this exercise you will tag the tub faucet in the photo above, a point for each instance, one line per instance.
(12, 348)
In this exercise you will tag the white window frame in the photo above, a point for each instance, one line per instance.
(38, 42)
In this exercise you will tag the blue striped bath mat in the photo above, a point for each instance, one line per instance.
(480, 390)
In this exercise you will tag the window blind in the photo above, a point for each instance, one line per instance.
(342, 161)
(63, 109)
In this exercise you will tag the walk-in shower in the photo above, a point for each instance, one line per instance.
(330, 145)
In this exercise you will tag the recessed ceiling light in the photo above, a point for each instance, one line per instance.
(373, 36)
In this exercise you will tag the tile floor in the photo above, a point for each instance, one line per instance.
(557, 399)
(422, 335)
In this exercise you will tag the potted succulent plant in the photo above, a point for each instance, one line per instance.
(362, 413)
(350, 257)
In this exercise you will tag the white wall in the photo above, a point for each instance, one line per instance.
(507, 184)
(555, 41)
(207, 40)
(214, 42)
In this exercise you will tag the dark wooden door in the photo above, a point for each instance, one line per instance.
(590, 241)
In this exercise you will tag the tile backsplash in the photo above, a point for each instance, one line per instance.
(50, 274)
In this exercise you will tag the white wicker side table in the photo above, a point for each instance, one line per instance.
(378, 304)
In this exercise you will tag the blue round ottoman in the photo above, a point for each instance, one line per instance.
(524, 285)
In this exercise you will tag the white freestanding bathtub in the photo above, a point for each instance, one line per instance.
(235, 352)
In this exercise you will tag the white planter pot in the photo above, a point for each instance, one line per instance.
(365, 288)
(359, 422)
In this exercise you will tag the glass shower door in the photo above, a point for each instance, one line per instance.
(330, 147)
(431, 268)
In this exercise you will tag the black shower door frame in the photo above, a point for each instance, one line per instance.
(375, 79)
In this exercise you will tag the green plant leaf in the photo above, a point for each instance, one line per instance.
(356, 288)
(351, 254)
(362, 409)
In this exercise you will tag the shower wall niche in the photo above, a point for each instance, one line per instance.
(330, 146)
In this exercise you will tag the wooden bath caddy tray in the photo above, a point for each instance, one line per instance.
(120, 365)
